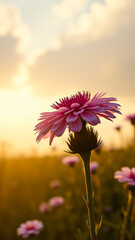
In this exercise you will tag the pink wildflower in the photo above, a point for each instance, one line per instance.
(72, 111)
(70, 160)
(117, 128)
(131, 118)
(111, 149)
(93, 166)
(56, 201)
(30, 228)
(126, 175)
(44, 208)
(55, 184)
(108, 209)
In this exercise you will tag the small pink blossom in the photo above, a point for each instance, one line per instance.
(126, 175)
(29, 228)
(111, 149)
(108, 209)
(118, 128)
(44, 208)
(70, 160)
(56, 201)
(72, 111)
(94, 166)
(131, 118)
(55, 184)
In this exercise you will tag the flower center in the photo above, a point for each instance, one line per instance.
(30, 227)
(132, 175)
(73, 102)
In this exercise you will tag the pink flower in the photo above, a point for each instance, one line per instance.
(44, 208)
(70, 160)
(117, 128)
(131, 118)
(55, 184)
(126, 175)
(93, 166)
(108, 209)
(56, 201)
(71, 111)
(30, 228)
(111, 149)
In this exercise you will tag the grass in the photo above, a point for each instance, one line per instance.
(25, 184)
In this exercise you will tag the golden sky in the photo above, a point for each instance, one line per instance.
(51, 49)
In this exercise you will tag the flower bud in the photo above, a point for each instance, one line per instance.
(84, 141)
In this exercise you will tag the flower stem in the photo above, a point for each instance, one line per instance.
(132, 217)
(126, 215)
(134, 133)
(87, 176)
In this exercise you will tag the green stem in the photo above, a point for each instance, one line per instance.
(87, 176)
(132, 217)
(126, 216)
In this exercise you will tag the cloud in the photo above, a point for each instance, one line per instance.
(11, 23)
(68, 8)
(104, 20)
(9, 60)
(99, 58)
(14, 38)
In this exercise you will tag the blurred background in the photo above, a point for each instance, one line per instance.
(52, 49)
(49, 50)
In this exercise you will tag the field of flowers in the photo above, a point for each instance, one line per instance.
(27, 183)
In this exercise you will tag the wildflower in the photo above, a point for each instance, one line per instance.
(44, 208)
(111, 149)
(108, 209)
(55, 184)
(70, 160)
(126, 175)
(117, 128)
(56, 201)
(30, 228)
(131, 118)
(93, 166)
(72, 111)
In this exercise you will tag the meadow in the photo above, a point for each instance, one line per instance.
(25, 184)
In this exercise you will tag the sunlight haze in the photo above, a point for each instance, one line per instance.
(52, 49)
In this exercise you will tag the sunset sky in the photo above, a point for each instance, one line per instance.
(51, 49)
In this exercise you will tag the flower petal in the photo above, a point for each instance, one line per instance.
(90, 117)
(71, 118)
(63, 109)
(126, 170)
(78, 112)
(51, 138)
(75, 105)
(76, 126)
(132, 183)
(60, 130)
(133, 171)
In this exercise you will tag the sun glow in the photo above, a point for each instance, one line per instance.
(19, 113)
